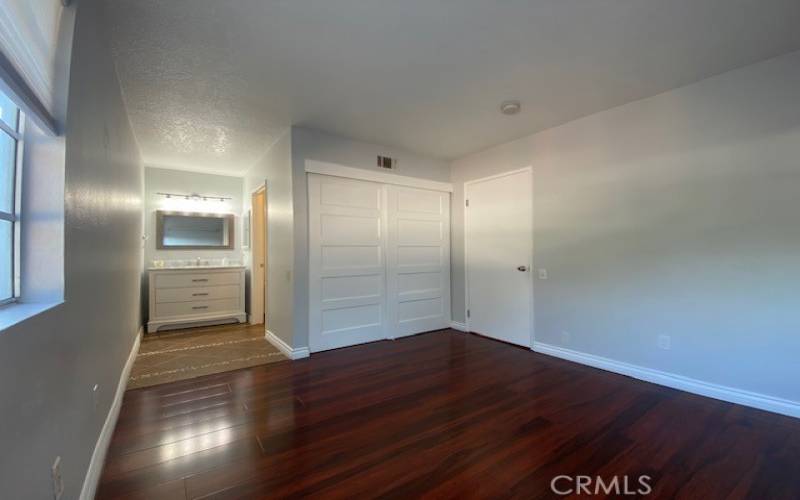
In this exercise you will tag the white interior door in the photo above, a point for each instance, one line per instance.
(418, 255)
(499, 252)
(347, 231)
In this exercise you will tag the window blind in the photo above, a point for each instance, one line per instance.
(29, 34)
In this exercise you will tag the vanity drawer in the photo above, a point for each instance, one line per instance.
(166, 295)
(177, 280)
(171, 309)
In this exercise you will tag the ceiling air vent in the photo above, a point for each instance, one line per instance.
(387, 163)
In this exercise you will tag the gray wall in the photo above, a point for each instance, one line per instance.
(310, 144)
(50, 362)
(275, 168)
(672, 215)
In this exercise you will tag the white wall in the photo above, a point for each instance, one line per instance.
(182, 182)
(673, 215)
(275, 168)
(308, 144)
(50, 362)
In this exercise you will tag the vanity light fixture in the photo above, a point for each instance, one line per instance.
(195, 196)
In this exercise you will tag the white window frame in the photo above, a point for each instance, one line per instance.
(14, 218)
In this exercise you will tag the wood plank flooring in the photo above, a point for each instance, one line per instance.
(442, 415)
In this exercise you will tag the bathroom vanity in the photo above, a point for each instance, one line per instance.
(196, 295)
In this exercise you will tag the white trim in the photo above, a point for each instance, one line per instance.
(461, 327)
(199, 320)
(286, 349)
(724, 393)
(92, 478)
(258, 189)
(325, 168)
(529, 168)
(531, 268)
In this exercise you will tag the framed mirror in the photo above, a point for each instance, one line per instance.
(194, 231)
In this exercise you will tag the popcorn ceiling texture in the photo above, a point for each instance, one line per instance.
(211, 83)
(189, 105)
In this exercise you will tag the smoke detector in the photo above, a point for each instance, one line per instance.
(510, 107)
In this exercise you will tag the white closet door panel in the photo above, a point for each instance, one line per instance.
(418, 249)
(347, 231)
(347, 258)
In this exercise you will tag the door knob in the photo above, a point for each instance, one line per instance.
(522, 268)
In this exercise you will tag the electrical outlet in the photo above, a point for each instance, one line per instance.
(58, 483)
(665, 342)
(566, 337)
(542, 273)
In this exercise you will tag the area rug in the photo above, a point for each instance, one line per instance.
(185, 354)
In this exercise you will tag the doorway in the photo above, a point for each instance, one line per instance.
(258, 278)
(498, 221)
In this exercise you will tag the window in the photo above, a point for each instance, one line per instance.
(10, 156)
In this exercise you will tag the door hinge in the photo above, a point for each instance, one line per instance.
(468, 313)
(467, 203)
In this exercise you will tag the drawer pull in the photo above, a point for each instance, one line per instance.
(199, 280)
(200, 307)
(199, 294)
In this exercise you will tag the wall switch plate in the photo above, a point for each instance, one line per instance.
(542, 273)
(665, 342)
(58, 483)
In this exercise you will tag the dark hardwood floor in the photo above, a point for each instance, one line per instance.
(444, 415)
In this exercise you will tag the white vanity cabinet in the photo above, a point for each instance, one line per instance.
(196, 295)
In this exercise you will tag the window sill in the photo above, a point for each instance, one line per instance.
(17, 312)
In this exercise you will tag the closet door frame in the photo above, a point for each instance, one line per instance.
(387, 179)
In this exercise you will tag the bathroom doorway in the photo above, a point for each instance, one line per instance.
(258, 297)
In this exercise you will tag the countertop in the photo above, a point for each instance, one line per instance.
(193, 268)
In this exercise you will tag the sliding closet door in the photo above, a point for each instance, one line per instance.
(347, 230)
(418, 250)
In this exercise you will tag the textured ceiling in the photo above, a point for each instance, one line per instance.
(210, 84)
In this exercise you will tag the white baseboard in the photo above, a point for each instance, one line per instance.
(286, 349)
(101, 447)
(461, 327)
(729, 394)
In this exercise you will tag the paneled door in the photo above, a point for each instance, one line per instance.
(418, 260)
(499, 253)
(347, 267)
(379, 257)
